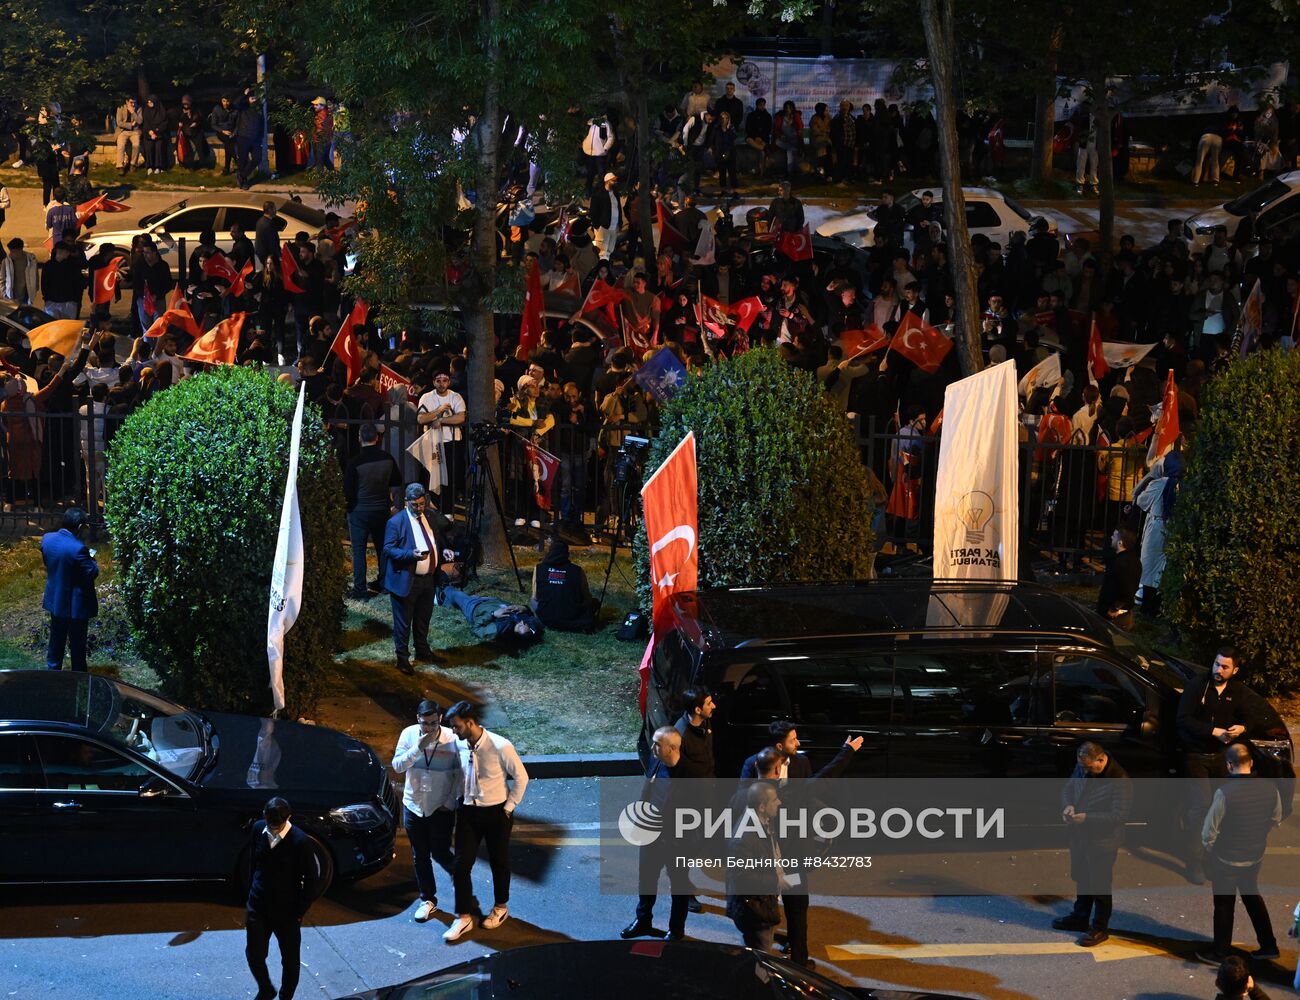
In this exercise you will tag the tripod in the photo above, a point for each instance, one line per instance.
(483, 483)
(628, 490)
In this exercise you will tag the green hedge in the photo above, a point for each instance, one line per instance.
(782, 492)
(195, 483)
(1233, 570)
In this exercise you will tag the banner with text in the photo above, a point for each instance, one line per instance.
(807, 81)
(977, 511)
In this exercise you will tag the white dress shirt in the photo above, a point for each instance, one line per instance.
(493, 772)
(421, 530)
(433, 779)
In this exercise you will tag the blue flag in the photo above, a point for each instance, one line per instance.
(662, 375)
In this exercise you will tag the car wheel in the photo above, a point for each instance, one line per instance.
(324, 865)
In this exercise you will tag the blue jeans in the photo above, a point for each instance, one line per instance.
(65, 632)
(463, 603)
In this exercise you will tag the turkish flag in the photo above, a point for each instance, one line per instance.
(335, 233)
(220, 345)
(714, 316)
(149, 305)
(237, 286)
(604, 295)
(389, 379)
(106, 279)
(1096, 354)
(866, 341)
(289, 268)
(920, 343)
(1166, 435)
(669, 499)
(88, 208)
(796, 246)
(532, 324)
(545, 467)
(219, 266)
(746, 311)
(178, 314)
(345, 341)
(669, 235)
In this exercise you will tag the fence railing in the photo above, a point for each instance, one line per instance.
(1072, 497)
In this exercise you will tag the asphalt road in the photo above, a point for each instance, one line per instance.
(179, 944)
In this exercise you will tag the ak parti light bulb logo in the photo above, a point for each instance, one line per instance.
(975, 510)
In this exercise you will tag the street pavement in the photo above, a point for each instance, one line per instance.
(185, 944)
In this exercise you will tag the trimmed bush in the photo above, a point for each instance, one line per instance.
(782, 492)
(1233, 570)
(195, 483)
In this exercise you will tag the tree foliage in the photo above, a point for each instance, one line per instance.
(195, 483)
(783, 495)
(1233, 569)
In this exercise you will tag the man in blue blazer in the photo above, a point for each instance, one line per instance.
(411, 560)
(70, 571)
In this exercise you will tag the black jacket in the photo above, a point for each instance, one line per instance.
(697, 749)
(1120, 584)
(1202, 709)
(601, 213)
(1106, 801)
(561, 597)
(284, 879)
(369, 477)
(62, 282)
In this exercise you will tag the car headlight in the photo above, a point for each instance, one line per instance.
(362, 816)
(1205, 230)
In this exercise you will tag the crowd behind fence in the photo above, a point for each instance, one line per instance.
(1072, 496)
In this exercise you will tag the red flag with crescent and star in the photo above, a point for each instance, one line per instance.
(532, 324)
(746, 311)
(219, 266)
(855, 342)
(669, 498)
(796, 246)
(1096, 353)
(345, 341)
(237, 286)
(288, 268)
(545, 467)
(920, 343)
(669, 235)
(1167, 430)
(178, 314)
(220, 345)
(106, 279)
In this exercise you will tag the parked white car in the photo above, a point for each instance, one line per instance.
(1277, 201)
(988, 212)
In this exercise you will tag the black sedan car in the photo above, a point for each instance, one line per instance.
(103, 782)
(631, 970)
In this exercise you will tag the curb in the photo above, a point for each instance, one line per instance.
(577, 765)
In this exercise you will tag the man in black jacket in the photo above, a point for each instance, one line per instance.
(371, 482)
(266, 236)
(666, 750)
(61, 282)
(697, 743)
(223, 120)
(283, 885)
(561, 596)
(1244, 811)
(1123, 575)
(1095, 805)
(1211, 715)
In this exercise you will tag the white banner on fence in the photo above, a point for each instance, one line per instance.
(808, 81)
(976, 506)
(1206, 98)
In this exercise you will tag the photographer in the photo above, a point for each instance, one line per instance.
(622, 411)
(561, 596)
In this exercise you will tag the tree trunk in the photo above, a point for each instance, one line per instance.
(936, 16)
(1040, 169)
(479, 325)
(142, 84)
(1105, 167)
(645, 206)
(827, 28)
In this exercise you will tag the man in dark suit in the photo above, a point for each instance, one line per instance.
(1119, 585)
(411, 548)
(793, 765)
(70, 571)
(281, 887)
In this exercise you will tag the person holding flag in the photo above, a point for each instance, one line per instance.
(151, 280)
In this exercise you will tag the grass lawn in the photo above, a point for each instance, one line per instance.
(567, 694)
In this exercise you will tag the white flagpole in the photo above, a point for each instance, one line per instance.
(287, 569)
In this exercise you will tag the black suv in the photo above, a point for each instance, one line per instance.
(103, 782)
(942, 679)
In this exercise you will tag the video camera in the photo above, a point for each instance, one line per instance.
(630, 459)
(485, 433)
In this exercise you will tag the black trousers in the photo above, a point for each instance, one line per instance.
(474, 825)
(65, 632)
(366, 527)
(1202, 770)
(1092, 868)
(258, 929)
(796, 926)
(413, 611)
(430, 838)
(1230, 881)
(650, 862)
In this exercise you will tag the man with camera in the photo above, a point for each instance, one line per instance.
(411, 548)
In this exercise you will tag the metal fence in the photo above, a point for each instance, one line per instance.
(1072, 497)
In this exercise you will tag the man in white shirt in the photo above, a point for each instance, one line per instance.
(494, 783)
(441, 412)
(427, 754)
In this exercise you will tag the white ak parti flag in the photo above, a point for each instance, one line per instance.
(976, 507)
(286, 571)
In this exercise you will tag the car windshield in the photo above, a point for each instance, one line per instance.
(1263, 195)
(474, 983)
(908, 202)
(1151, 662)
(29, 317)
(1019, 209)
(165, 733)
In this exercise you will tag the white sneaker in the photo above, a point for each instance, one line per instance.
(535, 523)
(520, 522)
(496, 918)
(18, 164)
(425, 910)
(461, 926)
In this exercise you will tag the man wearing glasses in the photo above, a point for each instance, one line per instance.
(411, 550)
(426, 753)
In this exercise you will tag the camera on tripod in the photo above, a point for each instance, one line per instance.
(630, 459)
(485, 433)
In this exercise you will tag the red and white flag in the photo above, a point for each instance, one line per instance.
(532, 324)
(605, 296)
(746, 311)
(346, 345)
(288, 270)
(389, 379)
(1251, 323)
(563, 223)
(868, 341)
(669, 235)
(178, 314)
(1097, 364)
(545, 468)
(796, 246)
(670, 502)
(219, 266)
(149, 305)
(920, 343)
(106, 279)
(1166, 433)
(97, 204)
(714, 316)
(237, 286)
(220, 345)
